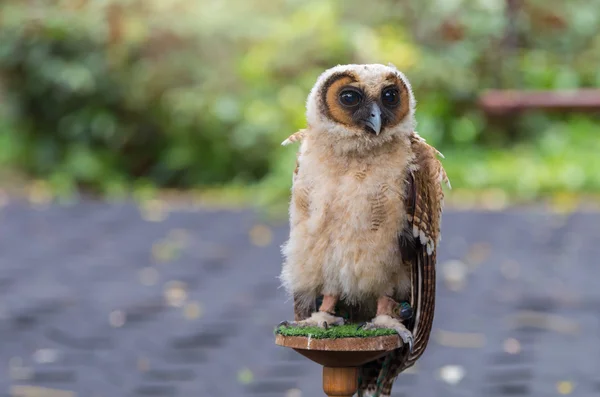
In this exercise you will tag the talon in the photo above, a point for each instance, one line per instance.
(284, 323)
(361, 325)
(369, 326)
(407, 339)
(318, 319)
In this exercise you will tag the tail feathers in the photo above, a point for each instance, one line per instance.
(378, 377)
(384, 391)
(367, 381)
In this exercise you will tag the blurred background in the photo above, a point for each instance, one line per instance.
(144, 189)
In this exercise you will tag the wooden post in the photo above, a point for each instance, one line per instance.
(340, 381)
(341, 357)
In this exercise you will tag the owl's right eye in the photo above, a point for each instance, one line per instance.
(350, 98)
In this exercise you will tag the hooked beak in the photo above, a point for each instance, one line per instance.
(374, 120)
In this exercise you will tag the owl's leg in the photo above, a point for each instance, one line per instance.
(389, 315)
(323, 318)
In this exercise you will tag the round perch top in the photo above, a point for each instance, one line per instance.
(372, 343)
(342, 346)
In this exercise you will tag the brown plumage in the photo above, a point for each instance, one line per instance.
(365, 214)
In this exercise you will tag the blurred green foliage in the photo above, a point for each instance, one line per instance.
(120, 93)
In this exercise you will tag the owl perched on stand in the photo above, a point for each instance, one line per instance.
(365, 215)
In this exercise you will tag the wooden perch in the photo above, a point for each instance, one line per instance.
(510, 101)
(340, 357)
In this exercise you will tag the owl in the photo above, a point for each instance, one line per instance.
(365, 215)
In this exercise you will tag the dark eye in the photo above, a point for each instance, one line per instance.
(390, 96)
(350, 98)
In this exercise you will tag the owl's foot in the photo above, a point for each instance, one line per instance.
(317, 319)
(385, 321)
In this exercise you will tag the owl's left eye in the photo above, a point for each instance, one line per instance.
(350, 97)
(390, 96)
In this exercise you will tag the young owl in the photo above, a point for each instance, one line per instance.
(365, 215)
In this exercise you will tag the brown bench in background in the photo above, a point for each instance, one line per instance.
(498, 102)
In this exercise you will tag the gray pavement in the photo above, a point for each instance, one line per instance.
(97, 301)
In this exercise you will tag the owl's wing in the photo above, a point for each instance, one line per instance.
(301, 311)
(295, 137)
(418, 247)
(424, 202)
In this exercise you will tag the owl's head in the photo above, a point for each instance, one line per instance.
(361, 106)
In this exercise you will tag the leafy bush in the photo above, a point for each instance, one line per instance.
(183, 94)
(107, 95)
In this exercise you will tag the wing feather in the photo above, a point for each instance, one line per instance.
(424, 203)
(418, 248)
(301, 311)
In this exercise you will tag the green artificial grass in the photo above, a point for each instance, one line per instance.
(342, 331)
